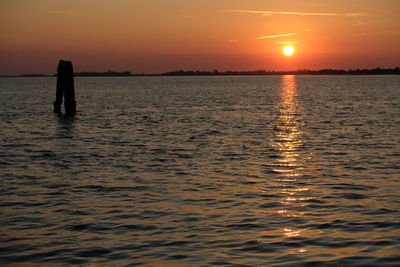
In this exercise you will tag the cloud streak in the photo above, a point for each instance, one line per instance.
(291, 42)
(276, 35)
(60, 12)
(368, 22)
(269, 13)
(382, 33)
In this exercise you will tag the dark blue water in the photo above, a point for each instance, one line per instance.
(202, 171)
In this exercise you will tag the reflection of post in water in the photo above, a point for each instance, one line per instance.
(288, 133)
(65, 127)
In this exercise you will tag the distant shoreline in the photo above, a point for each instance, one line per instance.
(375, 71)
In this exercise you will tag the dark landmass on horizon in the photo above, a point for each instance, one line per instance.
(375, 71)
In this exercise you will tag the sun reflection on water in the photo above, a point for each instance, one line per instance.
(289, 162)
(291, 232)
(287, 131)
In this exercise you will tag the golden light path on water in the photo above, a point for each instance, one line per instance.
(289, 162)
(288, 131)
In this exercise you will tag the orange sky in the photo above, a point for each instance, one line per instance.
(162, 35)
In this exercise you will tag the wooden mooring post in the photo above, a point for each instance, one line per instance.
(65, 88)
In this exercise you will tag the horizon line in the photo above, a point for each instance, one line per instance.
(211, 72)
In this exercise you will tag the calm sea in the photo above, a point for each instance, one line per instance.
(202, 171)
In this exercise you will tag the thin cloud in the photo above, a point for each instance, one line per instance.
(190, 17)
(60, 12)
(359, 23)
(276, 35)
(291, 42)
(383, 33)
(269, 13)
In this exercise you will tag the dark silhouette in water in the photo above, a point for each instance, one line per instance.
(65, 87)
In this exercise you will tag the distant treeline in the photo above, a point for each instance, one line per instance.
(106, 74)
(376, 71)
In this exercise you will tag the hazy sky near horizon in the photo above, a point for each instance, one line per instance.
(162, 35)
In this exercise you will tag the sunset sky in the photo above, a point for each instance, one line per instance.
(162, 35)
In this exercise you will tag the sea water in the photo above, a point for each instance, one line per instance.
(202, 171)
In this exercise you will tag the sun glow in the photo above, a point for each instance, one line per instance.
(288, 50)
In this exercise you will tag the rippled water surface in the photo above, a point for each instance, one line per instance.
(202, 171)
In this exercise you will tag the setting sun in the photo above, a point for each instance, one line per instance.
(288, 50)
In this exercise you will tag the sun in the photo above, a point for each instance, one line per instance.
(288, 50)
